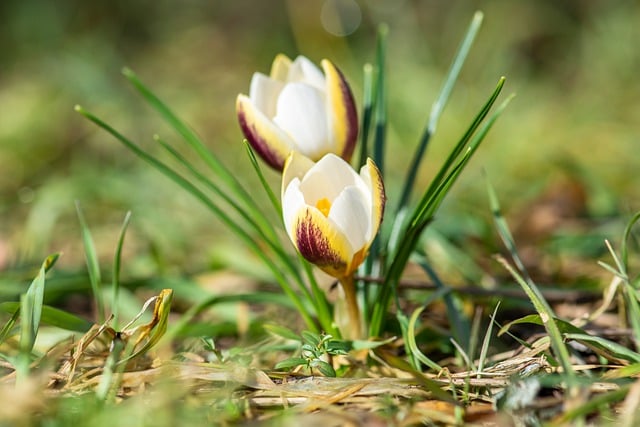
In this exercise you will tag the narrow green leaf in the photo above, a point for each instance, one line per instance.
(457, 318)
(220, 213)
(275, 201)
(592, 404)
(190, 137)
(256, 222)
(628, 371)
(503, 230)
(117, 259)
(380, 104)
(5, 332)
(486, 341)
(93, 266)
(109, 377)
(611, 347)
(547, 317)
(411, 340)
(30, 315)
(438, 107)
(625, 241)
(542, 307)
(429, 203)
(51, 316)
(367, 113)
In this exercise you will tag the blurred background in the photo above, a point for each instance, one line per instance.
(564, 148)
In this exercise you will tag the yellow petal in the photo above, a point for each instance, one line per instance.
(344, 117)
(269, 141)
(321, 243)
(371, 173)
(280, 67)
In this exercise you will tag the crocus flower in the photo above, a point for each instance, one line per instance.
(298, 108)
(331, 213)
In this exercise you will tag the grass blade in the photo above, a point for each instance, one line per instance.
(115, 286)
(379, 140)
(31, 304)
(275, 202)
(411, 341)
(486, 341)
(51, 316)
(257, 222)
(220, 213)
(93, 266)
(431, 200)
(438, 107)
(529, 287)
(367, 113)
(455, 315)
(189, 136)
(5, 332)
(624, 253)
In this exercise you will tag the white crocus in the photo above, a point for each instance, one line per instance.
(332, 213)
(298, 108)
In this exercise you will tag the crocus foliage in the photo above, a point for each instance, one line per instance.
(332, 213)
(298, 108)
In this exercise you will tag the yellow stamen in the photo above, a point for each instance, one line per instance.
(324, 205)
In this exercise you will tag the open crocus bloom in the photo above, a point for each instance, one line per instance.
(331, 213)
(298, 108)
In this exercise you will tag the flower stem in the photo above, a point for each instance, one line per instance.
(349, 288)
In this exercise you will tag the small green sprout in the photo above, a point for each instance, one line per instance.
(315, 351)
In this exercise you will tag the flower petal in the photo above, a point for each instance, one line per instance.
(320, 242)
(371, 175)
(303, 70)
(350, 212)
(301, 113)
(327, 178)
(271, 143)
(343, 118)
(280, 67)
(264, 93)
(296, 166)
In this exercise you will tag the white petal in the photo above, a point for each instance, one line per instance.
(327, 178)
(303, 70)
(301, 112)
(292, 202)
(264, 93)
(351, 214)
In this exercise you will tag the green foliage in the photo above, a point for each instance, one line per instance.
(315, 350)
(530, 288)
(30, 313)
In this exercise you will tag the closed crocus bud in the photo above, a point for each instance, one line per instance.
(298, 108)
(332, 213)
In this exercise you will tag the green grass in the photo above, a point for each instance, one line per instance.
(145, 325)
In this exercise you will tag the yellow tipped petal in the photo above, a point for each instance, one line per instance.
(320, 243)
(295, 166)
(269, 141)
(344, 120)
(378, 197)
(280, 67)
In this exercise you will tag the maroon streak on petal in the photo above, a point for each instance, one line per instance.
(271, 157)
(351, 118)
(314, 245)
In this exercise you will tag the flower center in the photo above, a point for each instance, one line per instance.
(324, 205)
